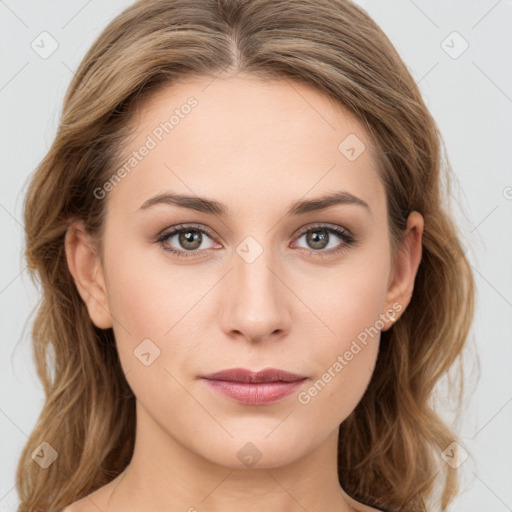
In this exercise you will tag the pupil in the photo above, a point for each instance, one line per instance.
(190, 238)
(318, 239)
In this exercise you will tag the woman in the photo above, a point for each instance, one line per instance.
(289, 363)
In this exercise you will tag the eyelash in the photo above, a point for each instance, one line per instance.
(347, 238)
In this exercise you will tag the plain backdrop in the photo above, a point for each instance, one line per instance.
(459, 52)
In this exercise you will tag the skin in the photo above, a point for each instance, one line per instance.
(256, 146)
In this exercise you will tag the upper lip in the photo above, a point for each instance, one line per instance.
(244, 375)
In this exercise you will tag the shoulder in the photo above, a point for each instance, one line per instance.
(358, 506)
(94, 502)
(78, 506)
(70, 508)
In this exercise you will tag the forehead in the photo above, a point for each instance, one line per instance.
(258, 109)
(242, 138)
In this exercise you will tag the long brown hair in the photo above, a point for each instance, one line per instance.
(389, 446)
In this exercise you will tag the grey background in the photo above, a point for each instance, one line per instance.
(470, 96)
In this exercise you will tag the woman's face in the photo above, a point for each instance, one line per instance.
(258, 281)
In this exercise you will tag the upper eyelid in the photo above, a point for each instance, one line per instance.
(321, 225)
(182, 227)
(299, 232)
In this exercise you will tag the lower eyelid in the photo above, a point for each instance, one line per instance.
(164, 237)
(346, 239)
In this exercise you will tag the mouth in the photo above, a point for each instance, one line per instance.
(254, 388)
(247, 376)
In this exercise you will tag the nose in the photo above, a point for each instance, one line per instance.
(255, 299)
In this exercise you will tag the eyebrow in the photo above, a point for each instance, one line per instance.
(210, 206)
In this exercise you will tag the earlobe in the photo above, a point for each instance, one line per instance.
(85, 267)
(405, 268)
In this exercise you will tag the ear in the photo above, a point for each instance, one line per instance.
(87, 271)
(401, 284)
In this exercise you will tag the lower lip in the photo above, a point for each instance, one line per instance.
(255, 393)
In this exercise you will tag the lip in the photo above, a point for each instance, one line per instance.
(248, 376)
(254, 388)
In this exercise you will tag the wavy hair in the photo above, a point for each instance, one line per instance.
(389, 446)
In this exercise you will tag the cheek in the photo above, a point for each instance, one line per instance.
(147, 296)
(349, 299)
(139, 310)
(344, 361)
(149, 299)
(149, 314)
(349, 305)
(137, 302)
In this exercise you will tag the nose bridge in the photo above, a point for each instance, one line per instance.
(257, 284)
(256, 301)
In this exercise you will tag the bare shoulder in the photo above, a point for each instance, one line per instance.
(366, 508)
(358, 506)
(74, 507)
(88, 505)
(361, 507)
(82, 505)
(95, 501)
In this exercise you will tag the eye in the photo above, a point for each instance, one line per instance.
(189, 240)
(320, 237)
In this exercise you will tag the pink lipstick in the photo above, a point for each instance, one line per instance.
(254, 388)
